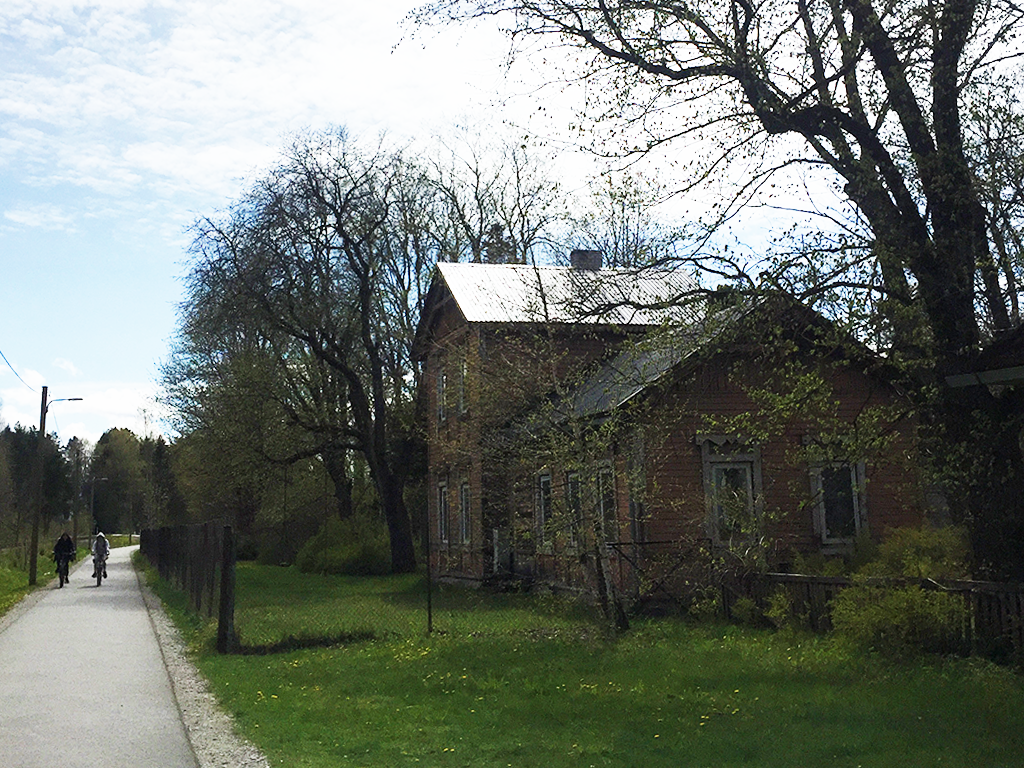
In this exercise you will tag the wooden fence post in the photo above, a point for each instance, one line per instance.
(226, 640)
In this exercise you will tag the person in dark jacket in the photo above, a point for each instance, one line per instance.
(64, 551)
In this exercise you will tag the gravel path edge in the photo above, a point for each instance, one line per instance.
(210, 730)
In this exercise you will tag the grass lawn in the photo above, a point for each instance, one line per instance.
(510, 693)
(14, 580)
(13, 586)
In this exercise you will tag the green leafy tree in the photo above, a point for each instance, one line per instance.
(305, 262)
(304, 301)
(119, 499)
(163, 501)
(226, 395)
(22, 458)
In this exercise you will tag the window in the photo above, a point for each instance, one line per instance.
(465, 501)
(442, 512)
(637, 519)
(442, 382)
(636, 476)
(544, 507)
(606, 512)
(574, 507)
(838, 493)
(732, 486)
(463, 376)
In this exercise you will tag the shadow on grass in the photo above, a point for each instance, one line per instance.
(293, 643)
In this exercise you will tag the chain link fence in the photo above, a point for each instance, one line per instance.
(200, 561)
(266, 608)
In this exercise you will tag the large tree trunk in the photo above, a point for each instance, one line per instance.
(336, 464)
(403, 555)
(983, 462)
(386, 475)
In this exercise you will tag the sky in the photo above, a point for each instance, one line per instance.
(122, 121)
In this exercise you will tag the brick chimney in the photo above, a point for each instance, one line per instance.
(589, 260)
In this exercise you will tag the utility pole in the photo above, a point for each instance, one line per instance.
(33, 555)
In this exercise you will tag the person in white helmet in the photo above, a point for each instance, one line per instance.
(100, 550)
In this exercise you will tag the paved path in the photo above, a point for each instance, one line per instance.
(83, 682)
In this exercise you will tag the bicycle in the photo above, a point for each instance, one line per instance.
(99, 563)
(63, 563)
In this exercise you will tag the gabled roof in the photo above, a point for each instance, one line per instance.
(519, 293)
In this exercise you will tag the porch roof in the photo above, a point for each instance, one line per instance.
(631, 371)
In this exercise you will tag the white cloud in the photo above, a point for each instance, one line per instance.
(37, 34)
(67, 366)
(153, 82)
(42, 215)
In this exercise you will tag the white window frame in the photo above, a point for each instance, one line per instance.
(858, 499)
(463, 375)
(442, 385)
(465, 511)
(606, 502)
(442, 512)
(721, 454)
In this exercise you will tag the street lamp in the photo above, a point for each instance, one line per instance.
(33, 555)
(92, 498)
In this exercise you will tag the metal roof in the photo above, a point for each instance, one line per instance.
(630, 372)
(520, 293)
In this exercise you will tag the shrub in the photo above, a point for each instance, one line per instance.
(744, 610)
(819, 565)
(899, 621)
(248, 548)
(705, 604)
(356, 546)
(922, 553)
(782, 612)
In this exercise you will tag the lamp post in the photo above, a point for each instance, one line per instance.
(33, 555)
(92, 499)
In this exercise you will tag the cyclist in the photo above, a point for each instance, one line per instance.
(100, 550)
(63, 553)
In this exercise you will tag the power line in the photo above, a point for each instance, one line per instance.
(14, 371)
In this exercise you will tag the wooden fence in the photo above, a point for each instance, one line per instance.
(995, 611)
(200, 561)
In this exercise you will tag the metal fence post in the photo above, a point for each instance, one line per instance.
(226, 639)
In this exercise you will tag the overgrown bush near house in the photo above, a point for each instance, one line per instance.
(865, 550)
(922, 553)
(901, 619)
(819, 565)
(356, 546)
(705, 604)
(782, 613)
(745, 611)
(248, 548)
